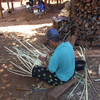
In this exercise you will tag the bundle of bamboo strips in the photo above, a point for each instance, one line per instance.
(84, 78)
(28, 58)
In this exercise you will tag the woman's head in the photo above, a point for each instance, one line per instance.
(53, 37)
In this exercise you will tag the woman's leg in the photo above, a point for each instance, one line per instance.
(43, 74)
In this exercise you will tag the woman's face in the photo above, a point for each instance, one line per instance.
(52, 43)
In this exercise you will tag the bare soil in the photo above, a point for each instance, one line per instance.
(25, 25)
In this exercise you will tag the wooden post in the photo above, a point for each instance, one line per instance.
(57, 3)
(45, 3)
(1, 10)
(48, 1)
(12, 6)
(8, 5)
(21, 2)
(60, 1)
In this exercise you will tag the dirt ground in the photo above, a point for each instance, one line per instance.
(25, 25)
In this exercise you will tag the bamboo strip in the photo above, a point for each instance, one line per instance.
(78, 73)
(33, 47)
(85, 69)
(19, 74)
(45, 47)
(20, 68)
(20, 55)
(26, 56)
(23, 45)
(26, 66)
(79, 81)
(82, 92)
(28, 62)
(12, 52)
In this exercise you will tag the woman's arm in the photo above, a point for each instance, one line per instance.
(44, 60)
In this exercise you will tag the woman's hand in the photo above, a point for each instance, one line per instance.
(42, 58)
(50, 52)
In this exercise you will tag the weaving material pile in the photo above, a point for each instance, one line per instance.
(27, 57)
